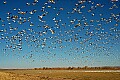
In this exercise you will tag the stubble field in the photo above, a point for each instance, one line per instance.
(58, 75)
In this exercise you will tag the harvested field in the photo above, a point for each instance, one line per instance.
(58, 75)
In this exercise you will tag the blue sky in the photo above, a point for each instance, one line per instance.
(58, 33)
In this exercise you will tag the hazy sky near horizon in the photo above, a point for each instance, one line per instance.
(59, 33)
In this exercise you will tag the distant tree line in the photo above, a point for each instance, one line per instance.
(80, 68)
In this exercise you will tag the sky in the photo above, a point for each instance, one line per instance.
(59, 33)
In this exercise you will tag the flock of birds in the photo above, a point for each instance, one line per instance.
(52, 29)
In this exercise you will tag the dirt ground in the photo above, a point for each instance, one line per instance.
(57, 75)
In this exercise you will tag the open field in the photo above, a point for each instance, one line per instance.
(59, 75)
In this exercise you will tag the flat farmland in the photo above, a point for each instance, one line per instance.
(59, 75)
